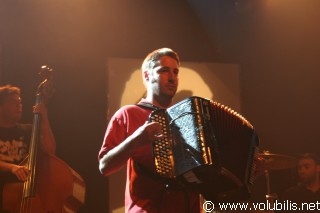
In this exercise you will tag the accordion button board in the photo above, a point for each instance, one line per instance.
(162, 149)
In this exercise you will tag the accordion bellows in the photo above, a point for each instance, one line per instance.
(207, 147)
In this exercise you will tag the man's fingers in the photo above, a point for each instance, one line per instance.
(156, 129)
(22, 173)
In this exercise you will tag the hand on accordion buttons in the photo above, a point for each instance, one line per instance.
(148, 132)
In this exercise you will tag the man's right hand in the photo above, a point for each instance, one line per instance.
(21, 172)
(148, 133)
(114, 159)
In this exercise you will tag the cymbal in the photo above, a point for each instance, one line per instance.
(278, 161)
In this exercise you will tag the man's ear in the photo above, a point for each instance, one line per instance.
(146, 75)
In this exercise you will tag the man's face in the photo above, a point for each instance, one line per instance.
(163, 81)
(11, 109)
(307, 170)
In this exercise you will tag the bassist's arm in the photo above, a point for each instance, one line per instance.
(21, 172)
(47, 140)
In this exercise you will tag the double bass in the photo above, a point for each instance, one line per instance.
(52, 186)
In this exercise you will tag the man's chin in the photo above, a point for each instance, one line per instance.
(172, 92)
(171, 95)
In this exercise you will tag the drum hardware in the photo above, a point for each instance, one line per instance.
(275, 162)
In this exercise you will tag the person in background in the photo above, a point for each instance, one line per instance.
(15, 136)
(308, 188)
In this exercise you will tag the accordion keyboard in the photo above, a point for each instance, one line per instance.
(162, 149)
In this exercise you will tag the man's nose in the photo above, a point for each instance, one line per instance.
(172, 76)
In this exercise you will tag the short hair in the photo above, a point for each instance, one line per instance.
(312, 156)
(7, 90)
(153, 57)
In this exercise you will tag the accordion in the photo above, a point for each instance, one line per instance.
(207, 147)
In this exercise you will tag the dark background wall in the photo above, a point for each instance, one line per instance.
(276, 44)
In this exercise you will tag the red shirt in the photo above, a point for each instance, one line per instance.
(144, 194)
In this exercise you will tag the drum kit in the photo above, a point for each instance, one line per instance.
(275, 162)
(271, 163)
(278, 161)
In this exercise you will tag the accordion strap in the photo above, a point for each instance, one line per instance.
(147, 105)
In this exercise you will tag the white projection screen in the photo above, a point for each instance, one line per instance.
(217, 81)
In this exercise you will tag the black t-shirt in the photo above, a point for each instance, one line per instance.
(302, 196)
(14, 147)
(14, 143)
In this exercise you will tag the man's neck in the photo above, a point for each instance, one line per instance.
(313, 186)
(160, 102)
